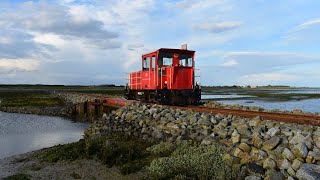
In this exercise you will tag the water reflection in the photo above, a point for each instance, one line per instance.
(20, 133)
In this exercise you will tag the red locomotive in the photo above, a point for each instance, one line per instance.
(167, 76)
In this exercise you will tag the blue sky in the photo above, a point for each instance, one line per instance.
(237, 42)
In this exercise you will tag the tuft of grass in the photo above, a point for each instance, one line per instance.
(68, 152)
(35, 167)
(75, 175)
(20, 176)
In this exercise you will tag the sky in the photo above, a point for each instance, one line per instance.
(237, 42)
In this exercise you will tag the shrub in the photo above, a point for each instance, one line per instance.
(192, 161)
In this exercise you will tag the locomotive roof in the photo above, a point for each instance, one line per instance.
(171, 50)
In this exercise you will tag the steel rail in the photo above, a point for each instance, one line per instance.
(276, 116)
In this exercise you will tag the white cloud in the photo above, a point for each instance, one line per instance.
(9, 65)
(309, 24)
(50, 39)
(68, 22)
(229, 63)
(263, 78)
(217, 27)
(133, 47)
(5, 40)
(266, 60)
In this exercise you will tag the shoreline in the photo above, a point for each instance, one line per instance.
(273, 147)
(31, 165)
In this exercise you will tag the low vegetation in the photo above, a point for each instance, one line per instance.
(18, 177)
(183, 160)
(26, 98)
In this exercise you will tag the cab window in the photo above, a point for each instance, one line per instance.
(153, 62)
(185, 60)
(165, 59)
(146, 63)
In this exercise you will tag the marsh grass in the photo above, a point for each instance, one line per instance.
(23, 98)
(19, 176)
(184, 160)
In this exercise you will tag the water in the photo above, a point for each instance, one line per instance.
(222, 96)
(309, 105)
(21, 133)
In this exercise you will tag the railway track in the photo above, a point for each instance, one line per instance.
(276, 116)
(282, 117)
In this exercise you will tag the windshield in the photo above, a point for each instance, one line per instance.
(166, 59)
(185, 60)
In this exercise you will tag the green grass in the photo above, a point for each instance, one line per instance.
(27, 98)
(107, 90)
(284, 96)
(128, 153)
(42, 96)
(18, 177)
(161, 161)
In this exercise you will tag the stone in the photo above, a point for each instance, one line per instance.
(291, 172)
(271, 143)
(237, 152)
(230, 160)
(213, 120)
(287, 154)
(276, 175)
(269, 164)
(223, 123)
(255, 121)
(235, 139)
(256, 140)
(296, 164)
(207, 140)
(253, 178)
(298, 138)
(310, 158)
(254, 168)
(300, 150)
(157, 134)
(308, 172)
(204, 132)
(243, 129)
(245, 158)
(272, 132)
(193, 120)
(285, 164)
(262, 154)
(245, 147)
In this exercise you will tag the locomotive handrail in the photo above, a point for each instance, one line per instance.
(199, 76)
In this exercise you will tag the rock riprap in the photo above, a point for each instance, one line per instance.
(280, 149)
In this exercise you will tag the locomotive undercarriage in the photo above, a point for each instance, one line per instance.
(165, 96)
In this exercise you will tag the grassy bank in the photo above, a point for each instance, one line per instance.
(27, 98)
(107, 90)
(265, 94)
(183, 160)
(42, 96)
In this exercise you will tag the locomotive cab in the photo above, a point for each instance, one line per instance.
(167, 76)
